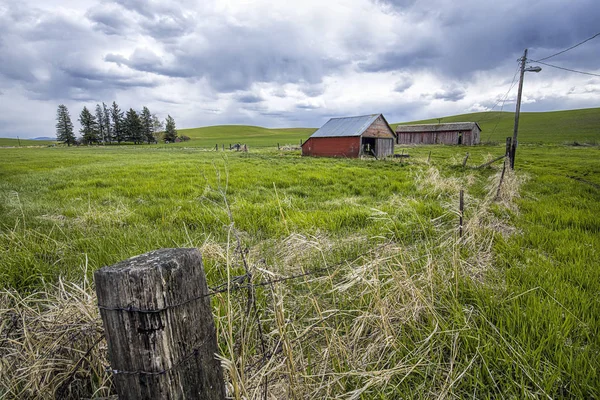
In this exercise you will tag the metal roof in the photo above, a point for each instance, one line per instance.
(347, 126)
(448, 126)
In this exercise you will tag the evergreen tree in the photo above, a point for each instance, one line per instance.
(147, 127)
(133, 127)
(118, 128)
(106, 123)
(64, 126)
(100, 125)
(89, 126)
(170, 131)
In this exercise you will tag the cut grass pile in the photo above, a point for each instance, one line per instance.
(397, 305)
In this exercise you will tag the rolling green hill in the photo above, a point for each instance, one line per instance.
(244, 134)
(534, 127)
(581, 126)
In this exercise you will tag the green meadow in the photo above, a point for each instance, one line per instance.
(396, 303)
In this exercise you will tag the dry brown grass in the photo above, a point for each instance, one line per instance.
(51, 344)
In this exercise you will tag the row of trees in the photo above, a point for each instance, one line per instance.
(111, 125)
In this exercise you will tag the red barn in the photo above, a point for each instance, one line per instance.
(352, 137)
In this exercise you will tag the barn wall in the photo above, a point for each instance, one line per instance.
(378, 129)
(440, 137)
(332, 147)
(384, 147)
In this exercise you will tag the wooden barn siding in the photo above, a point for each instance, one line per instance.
(378, 129)
(444, 137)
(384, 147)
(332, 147)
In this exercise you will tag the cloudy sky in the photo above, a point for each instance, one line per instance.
(288, 64)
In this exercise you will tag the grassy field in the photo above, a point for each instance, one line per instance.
(5, 142)
(398, 305)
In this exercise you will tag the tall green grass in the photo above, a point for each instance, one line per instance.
(398, 306)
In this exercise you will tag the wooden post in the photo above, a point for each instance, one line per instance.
(278, 146)
(465, 160)
(159, 327)
(429, 157)
(501, 178)
(461, 207)
(217, 147)
(229, 146)
(508, 144)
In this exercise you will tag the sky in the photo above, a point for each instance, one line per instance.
(290, 64)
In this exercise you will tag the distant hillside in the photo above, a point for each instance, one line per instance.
(5, 142)
(244, 134)
(534, 127)
(549, 127)
(47, 138)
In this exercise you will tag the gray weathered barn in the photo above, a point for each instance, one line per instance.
(464, 133)
(352, 137)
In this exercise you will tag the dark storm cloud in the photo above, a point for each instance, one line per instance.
(233, 57)
(481, 35)
(110, 20)
(249, 98)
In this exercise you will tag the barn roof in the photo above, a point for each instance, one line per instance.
(347, 126)
(448, 126)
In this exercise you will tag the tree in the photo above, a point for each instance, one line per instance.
(157, 126)
(116, 115)
(106, 123)
(133, 127)
(147, 127)
(64, 126)
(89, 126)
(170, 131)
(100, 119)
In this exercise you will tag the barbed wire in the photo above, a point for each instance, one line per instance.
(235, 284)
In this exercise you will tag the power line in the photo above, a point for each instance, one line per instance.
(567, 69)
(570, 48)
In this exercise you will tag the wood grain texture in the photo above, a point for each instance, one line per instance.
(168, 354)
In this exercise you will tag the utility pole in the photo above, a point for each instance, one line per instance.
(513, 151)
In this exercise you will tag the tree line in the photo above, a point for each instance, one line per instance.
(110, 125)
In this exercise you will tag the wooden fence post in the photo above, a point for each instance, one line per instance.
(159, 327)
(464, 164)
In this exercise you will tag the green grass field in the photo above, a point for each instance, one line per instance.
(398, 306)
(5, 142)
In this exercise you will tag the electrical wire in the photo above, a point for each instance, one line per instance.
(566, 69)
(570, 48)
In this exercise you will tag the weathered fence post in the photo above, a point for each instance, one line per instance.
(429, 157)
(464, 164)
(159, 327)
